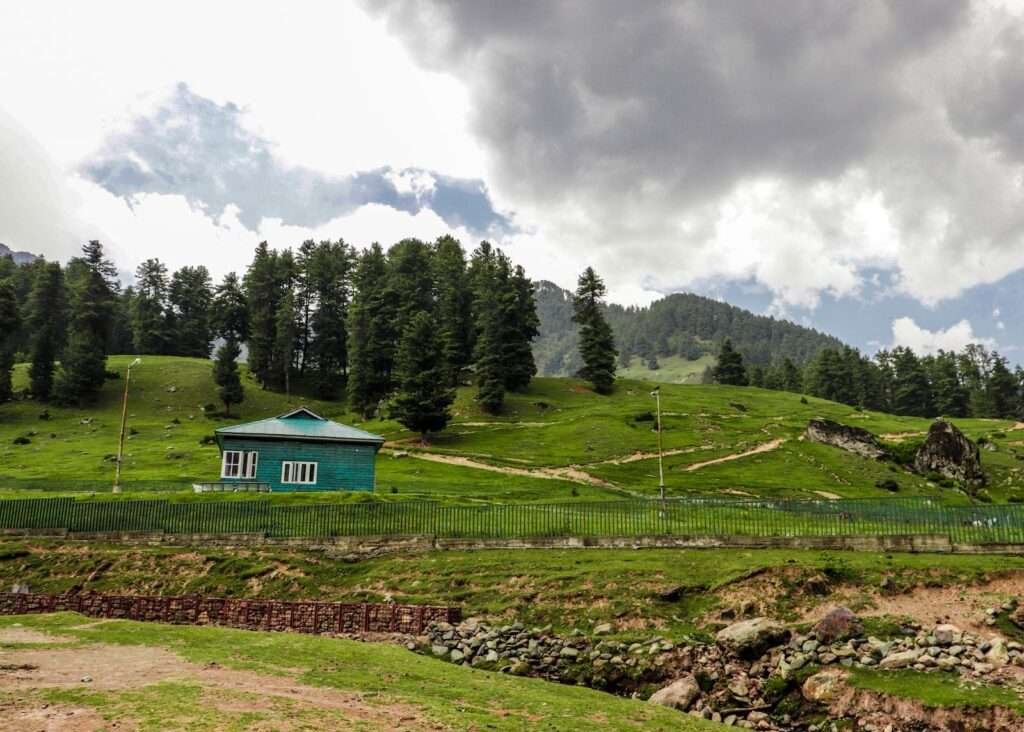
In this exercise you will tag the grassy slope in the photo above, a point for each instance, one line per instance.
(557, 423)
(564, 588)
(455, 697)
(671, 370)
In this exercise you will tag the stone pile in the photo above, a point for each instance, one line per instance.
(537, 652)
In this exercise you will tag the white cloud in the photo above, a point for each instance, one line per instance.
(906, 332)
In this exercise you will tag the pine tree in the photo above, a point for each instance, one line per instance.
(522, 327)
(371, 334)
(792, 379)
(285, 340)
(951, 396)
(423, 399)
(47, 323)
(1002, 390)
(230, 316)
(10, 323)
(190, 297)
(410, 285)
(912, 393)
(149, 319)
(93, 288)
(454, 306)
(757, 376)
(263, 295)
(494, 304)
(729, 368)
(226, 375)
(330, 279)
(597, 344)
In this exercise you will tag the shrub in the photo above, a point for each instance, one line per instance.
(208, 440)
(982, 441)
(644, 417)
(904, 451)
(888, 484)
(803, 400)
(998, 435)
(21, 440)
(111, 375)
(45, 414)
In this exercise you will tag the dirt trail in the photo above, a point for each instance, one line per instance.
(900, 436)
(763, 447)
(131, 667)
(571, 473)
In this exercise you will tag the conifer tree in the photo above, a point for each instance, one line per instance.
(792, 379)
(951, 396)
(330, 280)
(149, 317)
(10, 322)
(1002, 390)
(226, 375)
(912, 393)
(263, 295)
(597, 345)
(423, 397)
(729, 368)
(93, 288)
(190, 298)
(229, 321)
(491, 303)
(371, 336)
(47, 324)
(454, 306)
(410, 285)
(522, 327)
(285, 340)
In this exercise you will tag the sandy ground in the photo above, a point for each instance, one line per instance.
(763, 447)
(107, 667)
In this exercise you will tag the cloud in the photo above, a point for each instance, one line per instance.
(191, 146)
(906, 332)
(800, 143)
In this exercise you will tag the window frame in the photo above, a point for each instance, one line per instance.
(244, 464)
(299, 472)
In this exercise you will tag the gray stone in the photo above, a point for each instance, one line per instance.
(750, 638)
(852, 439)
(902, 659)
(680, 694)
(823, 687)
(949, 453)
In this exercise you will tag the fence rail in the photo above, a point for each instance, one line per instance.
(994, 524)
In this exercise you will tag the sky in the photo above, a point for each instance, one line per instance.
(852, 165)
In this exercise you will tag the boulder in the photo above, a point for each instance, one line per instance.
(947, 634)
(839, 624)
(680, 694)
(824, 686)
(902, 659)
(751, 638)
(852, 439)
(998, 654)
(949, 453)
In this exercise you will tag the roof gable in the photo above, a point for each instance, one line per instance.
(301, 424)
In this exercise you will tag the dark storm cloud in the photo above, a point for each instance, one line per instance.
(197, 148)
(675, 99)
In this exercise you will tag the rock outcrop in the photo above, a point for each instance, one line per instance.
(839, 624)
(852, 439)
(949, 453)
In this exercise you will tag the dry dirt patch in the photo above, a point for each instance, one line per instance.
(127, 667)
(14, 634)
(20, 716)
(763, 447)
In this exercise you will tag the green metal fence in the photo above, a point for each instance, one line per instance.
(674, 517)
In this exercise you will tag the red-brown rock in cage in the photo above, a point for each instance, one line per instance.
(299, 617)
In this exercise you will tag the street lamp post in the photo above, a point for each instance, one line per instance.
(661, 468)
(124, 420)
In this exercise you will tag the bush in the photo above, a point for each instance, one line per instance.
(998, 435)
(982, 441)
(888, 484)
(21, 440)
(208, 440)
(644, 417)
(803, 400)
(111, 375)
(903, 452)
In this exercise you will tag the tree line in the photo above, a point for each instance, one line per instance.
(392, 331)
(974, 382)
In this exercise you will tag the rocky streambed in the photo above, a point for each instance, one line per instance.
(757, 673)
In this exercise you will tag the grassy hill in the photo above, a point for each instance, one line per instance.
(556, 442)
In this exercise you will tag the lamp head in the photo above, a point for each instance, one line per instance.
(135, 363)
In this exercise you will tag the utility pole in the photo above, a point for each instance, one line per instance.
(661, 468)
(124, 420)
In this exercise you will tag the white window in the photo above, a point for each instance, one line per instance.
(296, 472)
(238, 464)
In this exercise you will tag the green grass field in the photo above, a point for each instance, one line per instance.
(671, 370)
(391, 685)
(556, 442)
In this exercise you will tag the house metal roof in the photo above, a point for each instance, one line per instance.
(301, 424)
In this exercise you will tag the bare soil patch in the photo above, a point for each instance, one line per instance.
(127, 667)
(15, 634)
(900, 436)
(763, 447)
(22, 715)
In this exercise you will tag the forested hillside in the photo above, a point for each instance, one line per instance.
(682, 325)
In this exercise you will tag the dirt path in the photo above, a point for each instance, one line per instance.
(763, 447)
(113, 668)
(900, 436)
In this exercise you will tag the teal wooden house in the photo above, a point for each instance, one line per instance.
(297, 451)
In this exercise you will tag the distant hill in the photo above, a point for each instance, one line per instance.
(18, 257)
(680, 327)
